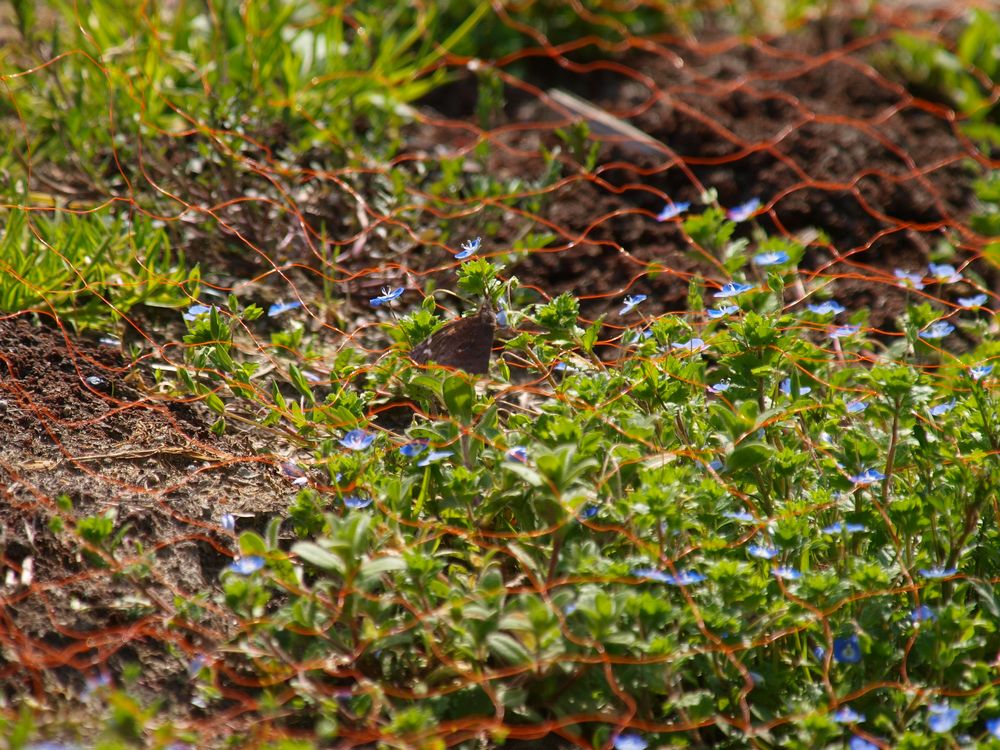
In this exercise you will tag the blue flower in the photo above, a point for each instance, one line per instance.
(839, 526)
(937, 330)
(196, 311)
(653, 574)
(721, 387)
(938, 572)
(868, 476)
(764, 553)
(943, 273)
(670, 212)
(280, 307)
(743, 211)
(770, 259)
(993, 727)
(715, 464)
(631, 303)
(694, 345)
(502, 318)
(732, 289)
(848, 715)
(294, 474)
(588, 512)
(941, 718)
(738, 515)
(228, 522)
(356, 502)
(722, 312)
(939, 409)
(923, 613)
(387, 296)
(433, 457)
(468, 248)
(847, 650)
(786, 573)
(518, 454)
(842, 331)
(630, 741)
(971, 303)
(911, 279)
(246, 566)
(826, 308)
(685, 578)
(412, 449)
(860, 743)
(357, 440)
(786, 388)
(856, 407)
(980, 372)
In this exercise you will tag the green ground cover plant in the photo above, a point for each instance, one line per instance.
(759, 522)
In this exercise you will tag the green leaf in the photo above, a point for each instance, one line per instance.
(315, 555)
(749, 454)
(507, 648)
(459, 396)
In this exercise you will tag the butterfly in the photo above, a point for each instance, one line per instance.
(463, 344)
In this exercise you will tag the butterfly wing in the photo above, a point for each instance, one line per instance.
(464, 344)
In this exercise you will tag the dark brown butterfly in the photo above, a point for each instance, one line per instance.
(464, 344)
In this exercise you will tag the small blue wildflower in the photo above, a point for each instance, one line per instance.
(722, 312)
(819, 652)
(937, 330)
(671, 211)
(787, 573)
(738, 515)
(910, 279)
(856, 407)
(732, 289)
(993, 727)
(387, 296)
(743, 211)
(980, 372)
(588, 511)
(281, 307)
(860, 743)
(412, 449)
(468, 248)
(715, 464)
(941, 718)
(196, 311)
(938, 572)
(196, 665)
(694, 345)
(518, 454)
(357, 440)
(502, 321)
(630, 741)
(228, 522)
(356, 502)
(294, 474)
(868, 476)
(631, 303)
(848, 715)
(971, 303)
(839, 526)
(721, 387)
(246, 566)
(652, 574)
(50, 745)
(843, 331)
(829, 307)
(786, 388)
(940, 409)
(433, 457)
(770, 259)
(764, 553)
(923, 613)
(847, 650)
(685, 578)
(943, 273)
